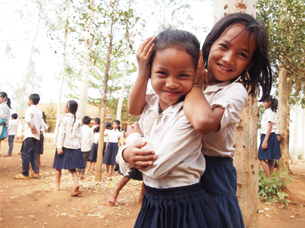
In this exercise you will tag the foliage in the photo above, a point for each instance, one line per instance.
(271, 189)
(285, 21)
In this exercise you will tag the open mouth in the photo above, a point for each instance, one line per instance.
(223, 67)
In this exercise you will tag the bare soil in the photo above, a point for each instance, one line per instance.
(32, 203)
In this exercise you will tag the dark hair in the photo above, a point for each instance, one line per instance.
(179, 39)
(108, 125)
(72, 105)
(35, 98)
(86, 120)
(97, 120)
(117, 121)
(8, 101)
(44, 117)
(260, 72)
(273, 104)
(14, 115)
(97, 129)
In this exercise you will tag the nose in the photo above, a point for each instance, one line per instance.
(228, 57)
(172, 82)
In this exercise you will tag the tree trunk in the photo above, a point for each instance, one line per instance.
(63, 68)
(98, 170)
(303, 141)
(283, 117)
(295, 149)
(120, 103)
(27, 72)
(86, 64)
(245, 138)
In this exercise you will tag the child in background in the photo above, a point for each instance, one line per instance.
(97, 122)
(107, 129)
(5, 106)
(67, 139)
(86, 144)
(235, 54)
(13, 125)
(93, 152)
(112, 147)
(174, 195)
(269, 148)
(33, 117)
(39, 145)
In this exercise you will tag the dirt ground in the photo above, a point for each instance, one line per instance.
(31, 203)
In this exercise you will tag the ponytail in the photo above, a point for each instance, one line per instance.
(8, 101)
(72, 105)
(274, 103)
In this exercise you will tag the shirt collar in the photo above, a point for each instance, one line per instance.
(220, 85)
(154, 106)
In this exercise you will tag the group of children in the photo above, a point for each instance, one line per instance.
(183, 143)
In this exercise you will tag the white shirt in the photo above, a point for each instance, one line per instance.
(5, 113)
(114, 136)
(96, 137)
(33, 116)
(87, 138)
(43, 127)
(13, 125)
(106, 135)
(232, 97)
(269, 116)
(68, 133)
(176, 143)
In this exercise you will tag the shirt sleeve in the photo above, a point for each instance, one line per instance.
(61, 133)
(232, 101)
(29, 117)
(272, 117)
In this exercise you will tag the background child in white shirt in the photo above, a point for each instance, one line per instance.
(13, 125)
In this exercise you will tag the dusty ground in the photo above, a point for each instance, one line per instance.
(31, 203)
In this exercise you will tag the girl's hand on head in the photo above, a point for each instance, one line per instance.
(143, 55)
(59, 151)
(201, 73)
(135, 128)
(139, 158)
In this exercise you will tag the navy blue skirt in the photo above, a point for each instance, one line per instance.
(220, 180)
(93, 153)
(180, 207)
(110, 154)
(273, 151)
(70, 159)
(134, 174)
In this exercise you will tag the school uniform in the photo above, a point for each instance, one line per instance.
(33, 116)
(68, 138)
(93, 152)
(39, 145)
(273, 151)
(105, 140)
(112, 148)
(220, 177)
(4, 120)
(174, 196)
(12, 129)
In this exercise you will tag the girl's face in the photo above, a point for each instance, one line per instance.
(2, 99)
(266, 104)
(172, 74)
(115, 125)
(230, 54)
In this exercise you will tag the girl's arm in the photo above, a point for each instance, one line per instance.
(137, 101)
(265, 142)
(61, 135)
(196, 107)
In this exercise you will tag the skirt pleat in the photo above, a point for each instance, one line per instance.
(70, 159)
(180, 207)
(273, 151)
(220, 181)
(110, 154)
(93, 153)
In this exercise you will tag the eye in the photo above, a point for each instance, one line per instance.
(222, 45)
(161, 73)
(244, 55)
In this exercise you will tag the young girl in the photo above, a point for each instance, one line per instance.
(67, 140)
(39, 144)
(93, 152)
(235, 54)
(112, 147)
(269, 148)
(5, 106)
(107, 129)
(174, 196)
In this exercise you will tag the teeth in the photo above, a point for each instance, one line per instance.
(224, 68)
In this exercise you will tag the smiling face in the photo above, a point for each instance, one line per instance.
(172, 74)
(230, 54)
